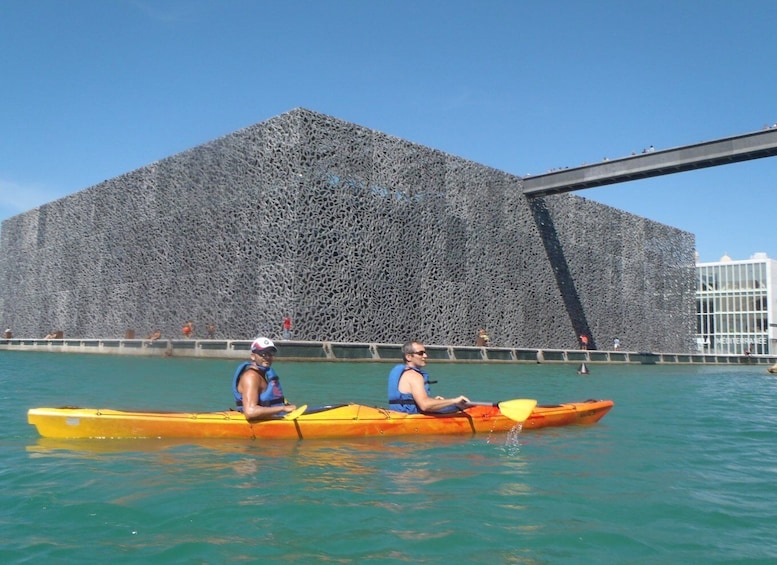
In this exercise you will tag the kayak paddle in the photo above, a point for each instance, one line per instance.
(519, 409)
(294, 414)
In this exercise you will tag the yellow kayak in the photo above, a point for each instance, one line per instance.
(348, 420)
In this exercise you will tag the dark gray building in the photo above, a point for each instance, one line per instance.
(354, 234)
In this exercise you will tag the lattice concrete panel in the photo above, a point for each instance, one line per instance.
(354, 234)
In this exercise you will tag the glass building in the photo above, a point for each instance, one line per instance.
(735, 306)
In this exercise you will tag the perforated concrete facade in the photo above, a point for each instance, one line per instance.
(354, 234)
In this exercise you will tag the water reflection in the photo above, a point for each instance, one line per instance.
(405, 466)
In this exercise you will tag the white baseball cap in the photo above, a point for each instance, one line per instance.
(263, 344)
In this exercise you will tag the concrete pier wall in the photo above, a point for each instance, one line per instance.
(369, 352)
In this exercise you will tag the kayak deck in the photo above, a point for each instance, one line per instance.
(349, 420)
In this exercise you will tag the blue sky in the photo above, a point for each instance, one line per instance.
(92, 89)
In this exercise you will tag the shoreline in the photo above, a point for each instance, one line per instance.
(318, 351)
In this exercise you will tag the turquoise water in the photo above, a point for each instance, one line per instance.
(682, 470)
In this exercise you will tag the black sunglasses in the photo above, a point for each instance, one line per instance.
(422, 352)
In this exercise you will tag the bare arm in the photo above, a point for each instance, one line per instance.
(251, 385)
(413, 382)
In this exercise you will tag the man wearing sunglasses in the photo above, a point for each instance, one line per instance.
(408, 385)
(256, 386)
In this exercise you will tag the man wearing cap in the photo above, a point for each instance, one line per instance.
(256, 386)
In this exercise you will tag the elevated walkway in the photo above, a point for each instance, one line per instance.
(723, 151)
(318, 351)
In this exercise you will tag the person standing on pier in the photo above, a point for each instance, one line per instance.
(482, 339)
(286, 328)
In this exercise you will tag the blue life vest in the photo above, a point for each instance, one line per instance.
(403, 401)
(273, 393)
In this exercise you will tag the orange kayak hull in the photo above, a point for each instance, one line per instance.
(570, 414)
(350, 420)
